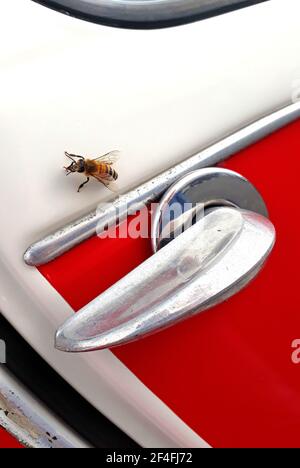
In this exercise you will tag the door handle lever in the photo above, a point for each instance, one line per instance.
(207, 263)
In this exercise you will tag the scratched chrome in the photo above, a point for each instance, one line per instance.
(73, 234)
(23, 416)
(197, 192)
(206, 264)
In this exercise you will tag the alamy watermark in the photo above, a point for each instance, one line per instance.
(116, 224)
(296, 91)
(2, 352)
(296, 86)
(296, 353)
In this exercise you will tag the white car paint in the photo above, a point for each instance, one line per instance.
(158, 96)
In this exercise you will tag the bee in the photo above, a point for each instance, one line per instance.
(99, 168)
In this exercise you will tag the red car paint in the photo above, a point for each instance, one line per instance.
(7, 441)
(228, 373)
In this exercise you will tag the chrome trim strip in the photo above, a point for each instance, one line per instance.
(33, 425)
(73, 234)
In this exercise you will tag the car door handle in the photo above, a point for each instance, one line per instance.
(212, 259)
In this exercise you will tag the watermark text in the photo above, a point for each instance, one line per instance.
(296, 352)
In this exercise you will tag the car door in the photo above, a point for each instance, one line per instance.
(227, 377)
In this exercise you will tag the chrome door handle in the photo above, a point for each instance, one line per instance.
(206, 264)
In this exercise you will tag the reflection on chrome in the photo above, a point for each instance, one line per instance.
(207, 264)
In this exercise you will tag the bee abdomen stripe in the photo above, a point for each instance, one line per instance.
(107, 169)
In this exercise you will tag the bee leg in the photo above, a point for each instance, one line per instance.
(84, 183)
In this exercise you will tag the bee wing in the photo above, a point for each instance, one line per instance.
(109, 158)
(107, 181)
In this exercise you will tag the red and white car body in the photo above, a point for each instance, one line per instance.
(225, 378)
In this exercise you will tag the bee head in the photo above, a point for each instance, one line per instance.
(75, 166)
